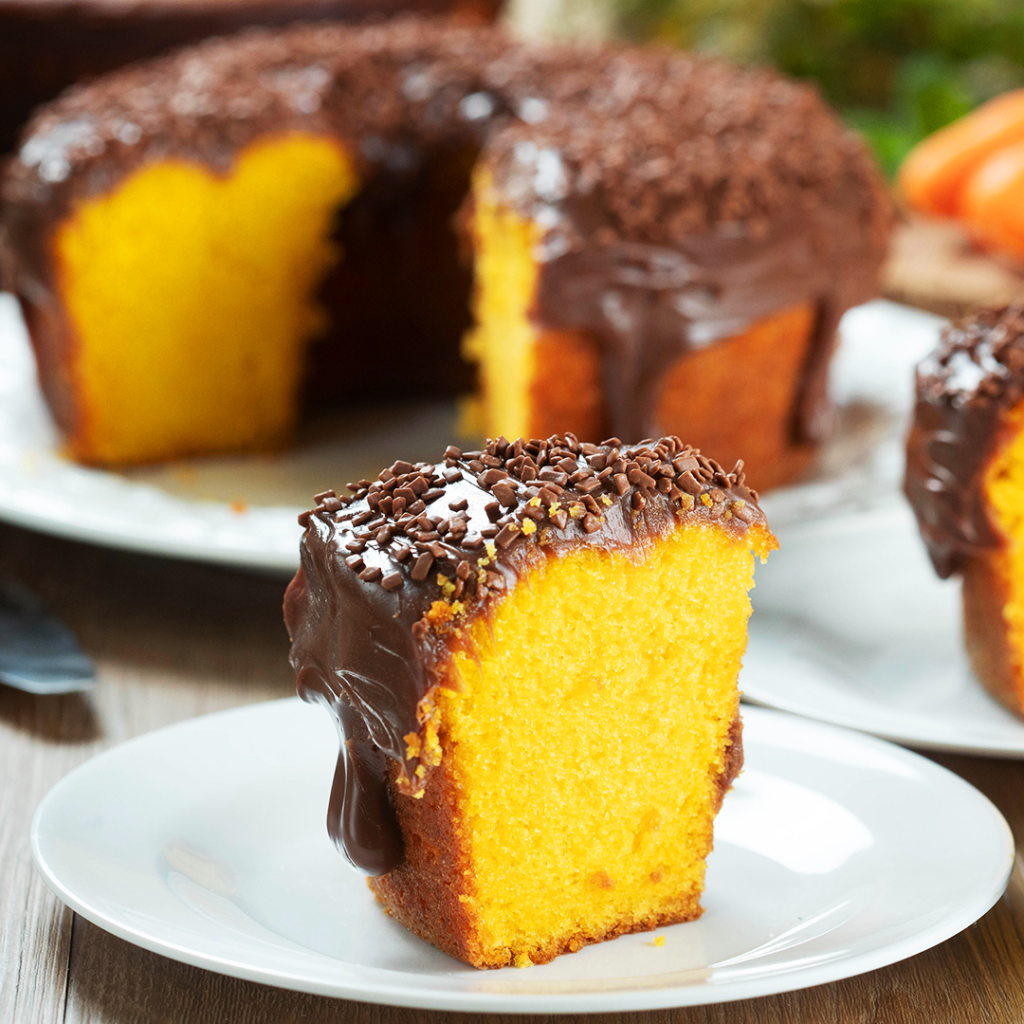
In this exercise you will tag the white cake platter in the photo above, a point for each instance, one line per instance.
(241, 511)
(835, 853)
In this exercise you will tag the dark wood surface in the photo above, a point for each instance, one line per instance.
(174, 640)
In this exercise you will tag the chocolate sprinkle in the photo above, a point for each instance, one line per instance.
(504, 493)
(421, 567)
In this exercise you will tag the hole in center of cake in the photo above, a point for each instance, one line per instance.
(398, 299)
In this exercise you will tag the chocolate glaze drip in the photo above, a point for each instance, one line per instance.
(680, 198)
(646, 306)
(391, 576)
(964, 390)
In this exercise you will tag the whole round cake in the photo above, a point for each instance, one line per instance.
(659, 242)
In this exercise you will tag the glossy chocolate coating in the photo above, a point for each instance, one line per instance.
(678, 198)
(370, 643)
(964, 390)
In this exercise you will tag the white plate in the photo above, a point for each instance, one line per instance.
(835, 854)
(241, 511)
(852, 626)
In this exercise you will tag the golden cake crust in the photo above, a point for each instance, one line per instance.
(423, 892)
(995, 663)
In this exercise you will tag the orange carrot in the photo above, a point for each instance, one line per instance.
(992, 202)
(934, 173)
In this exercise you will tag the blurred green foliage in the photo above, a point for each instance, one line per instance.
(898, 69)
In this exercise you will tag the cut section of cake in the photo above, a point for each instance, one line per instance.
(532, 652)
(965, 481)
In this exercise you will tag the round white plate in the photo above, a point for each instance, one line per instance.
(241, 511)
(835, 854)
(852, 626)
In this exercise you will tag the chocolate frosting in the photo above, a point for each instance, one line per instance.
(678, 197)
(392, 577)
(964, 390)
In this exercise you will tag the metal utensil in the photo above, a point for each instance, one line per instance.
(38, 653)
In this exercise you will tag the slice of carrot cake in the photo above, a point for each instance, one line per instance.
(532, 651)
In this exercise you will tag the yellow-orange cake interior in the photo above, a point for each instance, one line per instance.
(189, 298)
(583, 739)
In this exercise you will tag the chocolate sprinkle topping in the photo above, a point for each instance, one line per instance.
(372, 645)
(965, 388)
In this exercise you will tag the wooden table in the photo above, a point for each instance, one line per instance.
(174, 640)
